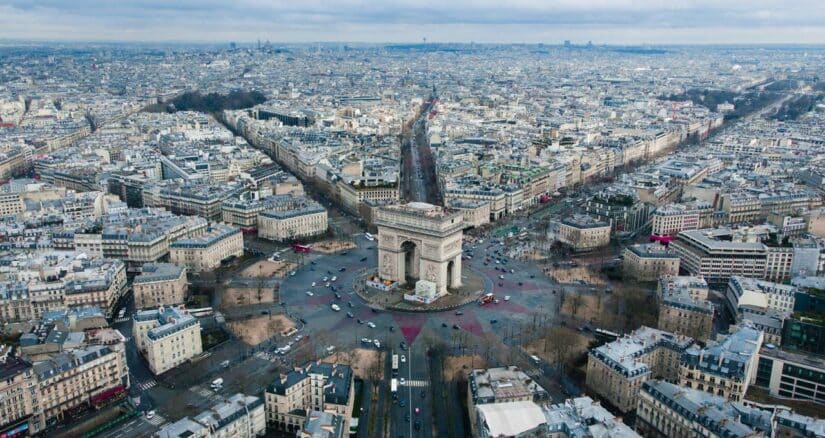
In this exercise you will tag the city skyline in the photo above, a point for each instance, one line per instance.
(523, 21)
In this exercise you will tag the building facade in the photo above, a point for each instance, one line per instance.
(160, 284)
(208, 250)
(167, 337)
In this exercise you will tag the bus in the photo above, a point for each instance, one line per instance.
(486, 299)
(394, 385)
(394, 365)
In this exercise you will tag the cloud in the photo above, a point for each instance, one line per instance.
(628, 21)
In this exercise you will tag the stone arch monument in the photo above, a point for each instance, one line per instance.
(420, 241)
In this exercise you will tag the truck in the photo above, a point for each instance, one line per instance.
(394, 385)
(486, 299)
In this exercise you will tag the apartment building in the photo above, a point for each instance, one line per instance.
(745, 295)
(54, 281)
(323, 425)
(167, 337)
(239, 416)
(160, 284)
(316, 386)
(684, 308)
(617, 370)
(293, 223)
(668, 410)
(649, 261)
(18, 395)
(724, 368)
(353, 192)
(584, 233)
(206, 251)
(79, 377)
(672, 219)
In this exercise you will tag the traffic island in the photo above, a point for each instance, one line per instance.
(474, 286)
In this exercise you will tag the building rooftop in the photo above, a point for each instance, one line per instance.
(622, 354)
(730, 356)
(511, 419)
(653, 250)
(152, 272)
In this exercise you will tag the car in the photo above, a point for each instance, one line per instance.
(333, 278)
(360, 321)
(392, 329)
(507, 298)
(350, 315)
(335, 307)
(326, 285)
(532, 275)
(417, 424)
(342, 269)
(493, 321)
(313, 284)
(313, 262)
(403, 358)
(363, 259)
(456, 327)
(496, 301)
(458, 312)
(500, 284)
(377, 343)
(407, 417)
(444, 324)
(325, 279)
(401, 381)
(303, 321)
(371, 324)
(374, 310)
(423, 394)
(366, 341)
(521, 283)
(337, 296)
(349, 303)
(402, 403)
(309, 293)
(403, 345)
(345, 253)
(292, 274)
(501, 277)
(150, 414)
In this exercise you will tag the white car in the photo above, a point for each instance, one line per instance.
(309, 293)
(292, 274)
(326, 285)
(150, 415)
(401, 381)
(313, 284)
(325, 279)
(370, 325)
(507, 298)
(403, 358)
(501, 277)
(333, 278)
(377, 343)
(335, 307)
(366, 341)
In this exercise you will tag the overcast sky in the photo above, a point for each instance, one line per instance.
(530, 21)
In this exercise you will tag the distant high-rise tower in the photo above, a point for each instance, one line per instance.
(566, 43)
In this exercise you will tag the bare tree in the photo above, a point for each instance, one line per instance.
(576, 303)
(560, 344)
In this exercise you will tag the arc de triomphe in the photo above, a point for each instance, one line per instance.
(420, 241)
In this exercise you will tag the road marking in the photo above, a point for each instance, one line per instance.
(147, 385)
(124, 319)
(417, 383)
(157, 420)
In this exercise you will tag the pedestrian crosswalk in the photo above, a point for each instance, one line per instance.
(417, 383)
(157, 420)
(147, 384)
(120, 320)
